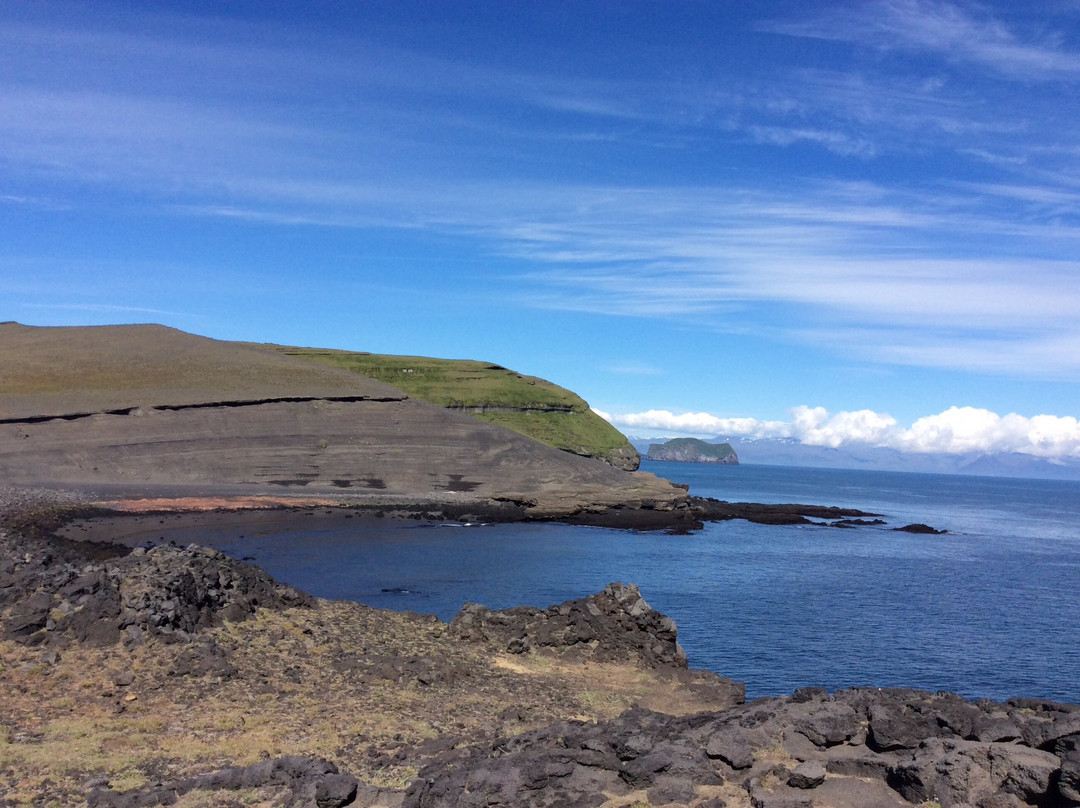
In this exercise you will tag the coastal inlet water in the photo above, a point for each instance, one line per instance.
(991, 609)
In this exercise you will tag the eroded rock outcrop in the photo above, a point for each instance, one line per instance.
(614, 625)
(52, 593)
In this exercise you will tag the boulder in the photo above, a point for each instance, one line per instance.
(957, 772)
(1068, 752)
(730, 745)
(29, 616)
(810, 774)
(831, 726)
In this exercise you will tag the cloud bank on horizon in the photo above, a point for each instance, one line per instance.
(958, 430)
(621, 197)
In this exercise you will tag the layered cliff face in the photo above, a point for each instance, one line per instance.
(528, 405)
(135, 406)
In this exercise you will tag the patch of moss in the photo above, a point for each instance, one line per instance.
(580, 433)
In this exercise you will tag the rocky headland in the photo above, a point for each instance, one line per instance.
(179, 676)
(144, 417)
(151, 411)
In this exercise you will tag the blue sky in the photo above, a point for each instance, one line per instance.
(834, 220)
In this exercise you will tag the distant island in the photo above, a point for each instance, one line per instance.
(692, 450)
(792, 452)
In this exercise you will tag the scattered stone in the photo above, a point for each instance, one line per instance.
(123, 678)
(673, 758)
(730, 745)
(810, 774)
(313, 782)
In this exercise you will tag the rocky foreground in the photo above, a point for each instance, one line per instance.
(179, 676)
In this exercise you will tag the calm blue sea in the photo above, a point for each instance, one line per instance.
(992, 609)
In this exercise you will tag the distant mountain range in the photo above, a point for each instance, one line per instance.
(791, 452)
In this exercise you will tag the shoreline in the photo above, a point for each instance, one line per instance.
(132, 522)
(131, 510)
(582, 703)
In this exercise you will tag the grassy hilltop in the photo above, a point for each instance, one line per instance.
(528, 405)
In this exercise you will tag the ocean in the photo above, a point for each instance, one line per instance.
(989, 610)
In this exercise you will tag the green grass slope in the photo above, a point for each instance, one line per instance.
(528, 405)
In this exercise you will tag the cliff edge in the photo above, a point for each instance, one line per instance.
(528, 405)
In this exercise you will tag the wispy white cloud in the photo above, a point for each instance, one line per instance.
(865, 271)
(1053, 355)
(32, 202)
(123, 127)
(973, 274)
(1059, 199)
(838, 142)
(957, 430)
(1002, 160)
(949, 30)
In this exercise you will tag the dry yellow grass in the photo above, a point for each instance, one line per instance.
(300, 689)
(53, 371)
